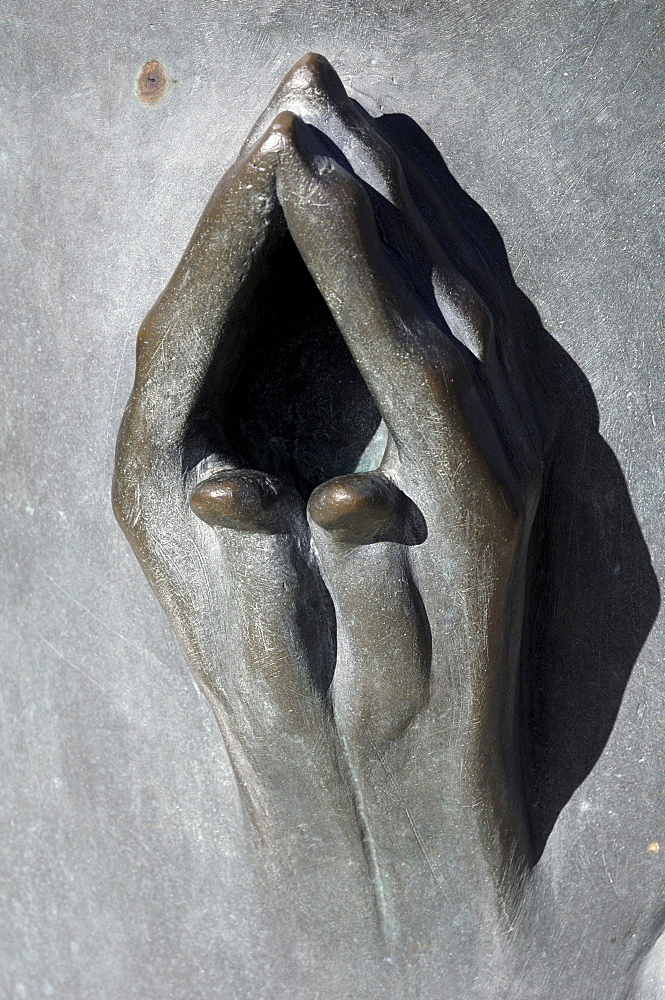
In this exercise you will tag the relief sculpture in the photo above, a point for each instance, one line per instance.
(348, 467)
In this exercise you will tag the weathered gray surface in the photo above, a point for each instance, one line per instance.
(121, 842)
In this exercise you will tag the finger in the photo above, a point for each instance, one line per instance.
(331, 220)
(366, 507)
(246, 500)
(418, 374)
(313, 91)
(280, 653)
(278, 597)
(188, 324)
(175, 348)
(381, 678)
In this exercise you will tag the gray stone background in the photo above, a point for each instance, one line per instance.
(120, 845)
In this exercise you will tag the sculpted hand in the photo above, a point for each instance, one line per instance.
(328, 469)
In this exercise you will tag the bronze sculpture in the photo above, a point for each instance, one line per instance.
(329, 470)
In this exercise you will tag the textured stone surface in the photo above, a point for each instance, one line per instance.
(122, 857)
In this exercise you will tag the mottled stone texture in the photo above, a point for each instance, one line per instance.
(125, 872)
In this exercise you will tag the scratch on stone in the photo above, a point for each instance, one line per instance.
(115, 389)
(113, 631)
(599, 33)
(70, 663)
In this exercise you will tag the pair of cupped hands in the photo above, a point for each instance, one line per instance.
(360, 647)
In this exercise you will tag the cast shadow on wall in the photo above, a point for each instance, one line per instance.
(592, 593)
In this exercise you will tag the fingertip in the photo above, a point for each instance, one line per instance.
(356, 509)
(314, 73)
(243, 500)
